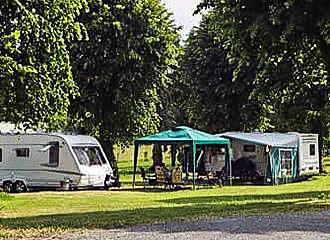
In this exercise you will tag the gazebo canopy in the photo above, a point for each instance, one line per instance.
(180, 135)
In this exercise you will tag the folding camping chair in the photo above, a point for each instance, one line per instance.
(147, 179)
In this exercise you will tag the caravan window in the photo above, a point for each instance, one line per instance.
(286, 161)
(89, 155)
(54, 153)
(312, 149)
(0, 154)
(249, 148)
(22, 152)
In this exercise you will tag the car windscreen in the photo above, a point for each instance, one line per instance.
(89, 155)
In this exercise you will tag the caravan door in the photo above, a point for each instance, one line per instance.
(49, 157)
(309, 155)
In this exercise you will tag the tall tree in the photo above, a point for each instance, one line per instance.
(290, 42)
(35, 71)
(122, 68)
(218, 102)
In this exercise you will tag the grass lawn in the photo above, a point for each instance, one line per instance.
(125, 162)
(47, 213)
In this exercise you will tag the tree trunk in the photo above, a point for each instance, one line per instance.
(234, 115)
(316, 127)
(320, 152)
(157, 155)
(108, 148)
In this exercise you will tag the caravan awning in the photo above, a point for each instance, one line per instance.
(270, 139)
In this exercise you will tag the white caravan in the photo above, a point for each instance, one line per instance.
(41, 160)
(308, 154)
(256, 146)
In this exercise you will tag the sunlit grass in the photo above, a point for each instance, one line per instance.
(47, 213)
(125, 162)
(326, 164)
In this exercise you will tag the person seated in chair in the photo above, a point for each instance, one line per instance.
(166, 171)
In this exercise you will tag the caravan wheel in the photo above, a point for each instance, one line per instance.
(8, 187)
(20, 187)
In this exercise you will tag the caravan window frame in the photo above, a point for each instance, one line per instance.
(22, 152)
(54, 154)
(249, 148)
(312, 151)
(289, 170)
(83, 154)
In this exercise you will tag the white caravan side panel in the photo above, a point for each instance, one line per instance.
(308, 154)
(35, 168)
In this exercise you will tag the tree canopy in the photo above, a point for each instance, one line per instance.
(289, 42)
(217, 103)
(120, 70)
(250, 64)
(35, 71)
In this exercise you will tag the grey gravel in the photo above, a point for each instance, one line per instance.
(284, 226)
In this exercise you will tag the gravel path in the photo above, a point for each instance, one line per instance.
(285, 226)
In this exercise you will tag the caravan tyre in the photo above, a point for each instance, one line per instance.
(19, 187)
(8, 187)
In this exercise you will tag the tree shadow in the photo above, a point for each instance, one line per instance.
(158, 188)
(252, 197)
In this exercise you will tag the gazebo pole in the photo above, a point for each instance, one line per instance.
(194, 163)
(173, 155)
(136, 154)
(229, 167)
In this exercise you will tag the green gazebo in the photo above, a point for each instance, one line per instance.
(182, 135)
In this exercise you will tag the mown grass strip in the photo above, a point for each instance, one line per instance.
(42, 214)
(49, 213)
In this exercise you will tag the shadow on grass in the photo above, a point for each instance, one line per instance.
(252, 197)
(192, 208)
(158, 189)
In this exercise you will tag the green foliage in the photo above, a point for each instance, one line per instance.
(218, 100)
(289, 42)
(35, 72)
(122, 67)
